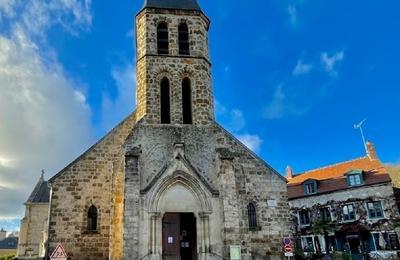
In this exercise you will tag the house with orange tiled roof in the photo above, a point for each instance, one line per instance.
(348, 207)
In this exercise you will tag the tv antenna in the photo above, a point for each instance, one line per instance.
(360, 126)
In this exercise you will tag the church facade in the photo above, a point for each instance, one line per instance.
(169, 182)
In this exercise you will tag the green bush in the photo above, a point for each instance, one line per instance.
(7, 257)
(299, 255)
(341, 256)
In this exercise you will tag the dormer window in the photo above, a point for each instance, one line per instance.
(310, 187)
(355, 178)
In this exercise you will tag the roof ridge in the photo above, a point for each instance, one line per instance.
(36, 190)
(331, 166)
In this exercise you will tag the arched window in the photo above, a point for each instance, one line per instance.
(162, 38)
(187, 101)
(183, 39)
(252, 215)
(92, 218)
(165, 102)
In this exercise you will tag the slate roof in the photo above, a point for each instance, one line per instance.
(41, 192)
(333, 178)
(191, 5)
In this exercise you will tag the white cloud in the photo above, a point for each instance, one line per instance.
(41, 109)
(277, 108)
(302, 68)
(7, 8)
(330, 61)
(253, 142)
(116, 109)
(235, 122)
(292, 101)
(40, 113)
(35, 17)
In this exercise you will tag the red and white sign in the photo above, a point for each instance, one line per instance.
(288, 249)
(287, 245)
(59, 253)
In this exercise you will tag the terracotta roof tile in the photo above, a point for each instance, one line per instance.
(332, 178)
(339, 170)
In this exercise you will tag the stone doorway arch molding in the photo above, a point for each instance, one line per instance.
(179, 189)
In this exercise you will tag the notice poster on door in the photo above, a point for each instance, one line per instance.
(170, 240)
(235, 253)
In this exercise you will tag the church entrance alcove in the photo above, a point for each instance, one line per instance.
(179, 236)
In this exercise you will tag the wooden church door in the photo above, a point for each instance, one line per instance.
(179, 236)
(171, 236)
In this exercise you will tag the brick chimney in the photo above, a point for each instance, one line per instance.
(289, 172)
(371, 151)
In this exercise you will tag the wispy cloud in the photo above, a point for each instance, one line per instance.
(286, 101)
(41, 108)
(302, 68)
(295, 95)
(330, 62)
(117, 108)
(292, 12)
(234, 120)
(253, 142)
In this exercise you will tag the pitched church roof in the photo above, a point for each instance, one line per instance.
(41, 192)
(191, 5)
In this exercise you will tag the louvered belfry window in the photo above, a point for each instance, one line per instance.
(183, 39)
(162, 38)
(187, 101)
(165, 101)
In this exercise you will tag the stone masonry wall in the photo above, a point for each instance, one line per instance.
(32, 227)
(359, 197)
(152, 68)
(226, 165)
(88, 181)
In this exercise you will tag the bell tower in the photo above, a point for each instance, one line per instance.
(173, 66)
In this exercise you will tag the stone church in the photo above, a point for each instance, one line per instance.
(169, 182)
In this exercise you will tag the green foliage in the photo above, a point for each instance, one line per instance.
(322, 226)
(299, 255)
(341, 256)
(396, 222)
(7, 257)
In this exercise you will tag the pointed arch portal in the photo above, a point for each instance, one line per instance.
(179, 207)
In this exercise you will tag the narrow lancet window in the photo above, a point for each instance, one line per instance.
(165, 101)
(92, 218)
(183, 39)
(162, 38)
(251, 212)
(187, 101)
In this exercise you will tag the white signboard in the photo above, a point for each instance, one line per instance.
(289, 254)
(235, 253)
(59, 253)
(272, 203)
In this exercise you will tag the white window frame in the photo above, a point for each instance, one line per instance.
(383, 211)
(299, 220)
(355, 213)
(383, 232)
(304, 239)
(330, 212)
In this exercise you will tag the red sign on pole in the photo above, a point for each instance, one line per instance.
(288, 248)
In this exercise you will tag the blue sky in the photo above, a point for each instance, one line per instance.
(290, 78)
